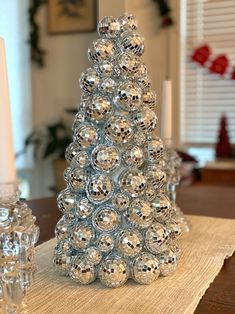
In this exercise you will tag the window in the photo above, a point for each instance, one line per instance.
(204, 97)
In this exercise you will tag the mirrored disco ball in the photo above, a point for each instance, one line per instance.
(155, 149)
(150, 193)
(107, 86)
(105, 68)
(156, 177)
(150, 99)
(66, 200)
(144, 82)
(85, 136)
(113, 272)
(140, 213)
(119, 129)
(128, 64)
(62, 262)
(93, 255)
(99, 189)
(71, 151)
(99, 108)
(105, 242)
(133, 182)
(81, 160)
(168, 262)
(127, 22)
(128, 96)
(79, 118)
(145, 120)
(89, 81)
(84, 208)
(82, 271)
(63, 229)
(146, 268)
(129, 242)
(134, 156)
(77, 179)
(173, 228)
(139, 138)
(108, 27)
(132, 42)
(81, 236)
(105, 158)
(156, 238)
(120, 201)
(106, 219)
(100, 50)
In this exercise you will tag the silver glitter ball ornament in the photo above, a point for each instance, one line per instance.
(119, 130)
(156, 177)
(99, 189)
(128, 64)
(129, 242)
(63, 246)
(145, 120)
(146, 268)
(71, 151)
(89, 81)
(127, 22)
(156, 238)
(77, 179)
(113, 272)
(84, 208)
(105, 158)
(105, 68)
(105, 242)
(144, 82)
(168, 262)
(155, 149)
(106, 219)
(81, 160)
(173, 228)
(120, 201)
(134, 156)
(62, 229)
(100, 50)
(140, 213)
(107, 86)
(108, 27)
(150, 99)
(139, 138)
(133, 182)
(62, 262)
(132, 42)
(85, 136)
(150, 194)
(99, 108)
(79, 118)
(66, 201)
(161, 206)
(128, 96)
(93, 255)
(82, 271)
(81, 236)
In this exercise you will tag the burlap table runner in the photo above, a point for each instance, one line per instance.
(204, 249)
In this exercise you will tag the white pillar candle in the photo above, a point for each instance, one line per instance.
(7, 159)
(166, 111)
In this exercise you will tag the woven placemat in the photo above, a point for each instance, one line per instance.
(210, 241)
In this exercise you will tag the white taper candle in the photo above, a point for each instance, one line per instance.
(166, 111)
(7, 159)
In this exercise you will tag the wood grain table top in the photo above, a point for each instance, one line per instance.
(214, 201)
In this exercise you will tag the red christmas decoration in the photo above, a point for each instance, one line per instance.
(201, 54)
(233, 74)
(219, 65)
(223, 147)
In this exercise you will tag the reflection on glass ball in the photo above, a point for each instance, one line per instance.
(128, 64)
(99, 189)
(156, 238)
(84, 208)
(133, 42)
(82, 271)
(105, 242)
(100, 50)
(98, 109)
(66, 200)
(150, 99)
(129, 242)
(134, 156)
(127, 22)
(93, 255)
(85, 136)
(63, 246)
(150, 194)
(173, 228)
(105, 68)
(161, 206)
(119, 129)
(156, 177)
(81, 160)
(168, 262)
(128, 96)
(62, 262)
(144, 82)
(133, 182)
(107, 86)
(81, 236)
(155, 149)
(145, 120)
(108, 27)
(77, 179)
(145, 268)
(71, 151)
(113, 272)
(120, 201)
(62, 229)
(79, 118)
(105, 158)
(89, 81)
(106, 219)
(140, 213)
(139, 138)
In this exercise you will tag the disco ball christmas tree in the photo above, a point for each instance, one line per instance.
(118, 222)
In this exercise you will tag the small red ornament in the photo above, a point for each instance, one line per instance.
(223, 146)
(201, 54)
(219, 65)
(233, 74)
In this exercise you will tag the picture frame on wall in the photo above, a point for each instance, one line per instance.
(71, 16)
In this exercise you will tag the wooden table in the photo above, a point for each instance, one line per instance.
(197, 200)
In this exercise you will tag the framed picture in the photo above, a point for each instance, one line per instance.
(67, 16)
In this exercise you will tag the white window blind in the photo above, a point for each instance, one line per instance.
(204, 96)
